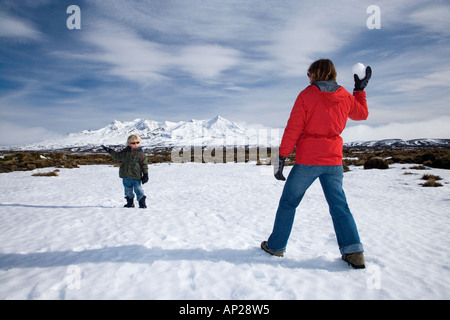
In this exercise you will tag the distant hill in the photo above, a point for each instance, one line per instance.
(390, 144)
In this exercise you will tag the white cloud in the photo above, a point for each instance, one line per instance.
(11, 27)
(435, 18)
(306, 37)
(144, 61)
(12, 134)
(435, 128)
(145, 41)
(435, 79)
(129, 55)
(207, 61)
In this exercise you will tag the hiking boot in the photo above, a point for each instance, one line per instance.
(356, 260)
(130, 203)
(142, 203)
(266, 249)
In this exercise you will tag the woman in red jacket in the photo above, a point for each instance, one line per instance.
(317, 119)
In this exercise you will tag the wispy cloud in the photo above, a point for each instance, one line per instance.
(206, 38)
(12, 134)
(433, 17)
(125, 53)
(135, 58)
(438, 79)
(17, 28)
(207, 61)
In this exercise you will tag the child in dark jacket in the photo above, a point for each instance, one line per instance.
(133, 170)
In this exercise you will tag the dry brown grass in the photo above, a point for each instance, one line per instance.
(23, 161)
(53, 173)
(431, 180)
(435, 158)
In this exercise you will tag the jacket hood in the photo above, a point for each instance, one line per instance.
(327, 86)
(331, 90)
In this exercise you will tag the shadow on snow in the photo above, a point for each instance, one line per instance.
(144, 255)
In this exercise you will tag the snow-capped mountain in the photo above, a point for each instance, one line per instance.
(216, 131)
(399, 144)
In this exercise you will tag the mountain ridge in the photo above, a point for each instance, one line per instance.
(399, 144)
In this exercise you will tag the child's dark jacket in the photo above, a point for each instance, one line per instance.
(134, 162)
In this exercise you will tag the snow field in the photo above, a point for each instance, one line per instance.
(68, 237)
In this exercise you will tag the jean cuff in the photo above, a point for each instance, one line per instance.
(276, 250)
(358, 247)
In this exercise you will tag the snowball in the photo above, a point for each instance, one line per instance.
(360, 70)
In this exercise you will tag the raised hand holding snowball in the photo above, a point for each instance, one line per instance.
(358, 73)
(359, 69)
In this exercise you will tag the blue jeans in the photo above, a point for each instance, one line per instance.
(300, 179)
(130, 184)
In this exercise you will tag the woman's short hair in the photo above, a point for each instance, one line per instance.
(322, 70)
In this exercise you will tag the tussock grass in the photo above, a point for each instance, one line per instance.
(53, 173)
(31, 160)
(431, 180)
(435, 158)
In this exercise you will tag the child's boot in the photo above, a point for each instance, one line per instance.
(142, 203)
(130, 203)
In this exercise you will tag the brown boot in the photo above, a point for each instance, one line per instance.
(266, 249)
(356, 260)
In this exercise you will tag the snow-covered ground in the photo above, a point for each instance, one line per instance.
(68, 237)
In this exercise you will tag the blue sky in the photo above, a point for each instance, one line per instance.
(245, 60)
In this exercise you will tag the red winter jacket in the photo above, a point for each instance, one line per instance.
(316, 122)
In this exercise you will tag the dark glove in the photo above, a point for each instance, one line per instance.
(360, 84)
(279, 174)
(144, 178)
(106, 148)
